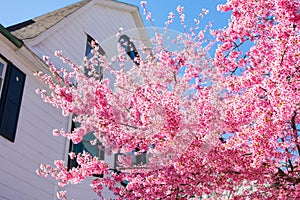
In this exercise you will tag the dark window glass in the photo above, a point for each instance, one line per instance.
(89, 54)
(96, 150)
(129, 48)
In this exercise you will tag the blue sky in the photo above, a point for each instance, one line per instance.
(16, 11)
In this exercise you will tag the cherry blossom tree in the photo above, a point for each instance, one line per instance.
(224, 127)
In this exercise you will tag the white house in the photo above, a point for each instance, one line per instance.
(26, 122)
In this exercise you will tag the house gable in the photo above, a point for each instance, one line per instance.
(100, 19)
(36, 26)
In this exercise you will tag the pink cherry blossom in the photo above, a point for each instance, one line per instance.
(221, 126)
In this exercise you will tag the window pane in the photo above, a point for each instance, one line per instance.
(129, 47)
(89, 55)
(89, 51)
(95, 150)
(1, 69)
(3, 66)
(2, 74)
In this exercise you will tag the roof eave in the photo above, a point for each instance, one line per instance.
(18, 43)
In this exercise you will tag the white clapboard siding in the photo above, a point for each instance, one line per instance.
(84, 191)
(101, 23)
(34, 143)
(22, 184)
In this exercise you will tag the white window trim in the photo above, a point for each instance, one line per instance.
(2, 76)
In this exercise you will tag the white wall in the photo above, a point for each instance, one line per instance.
(34, 143)
(69, 36)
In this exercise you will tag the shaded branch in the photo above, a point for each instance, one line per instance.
(294, 127)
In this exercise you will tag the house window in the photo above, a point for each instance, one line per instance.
(96, 150)
(140, 159)
(89, 54)
(12, 82)
(129, 48)
(3, 66)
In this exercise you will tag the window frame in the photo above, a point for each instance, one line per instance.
(101, 154)
(72, 162)
(89, 46)
(88, 54)
(129, 48)
(3, 75)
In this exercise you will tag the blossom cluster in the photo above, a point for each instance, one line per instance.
(222, 126)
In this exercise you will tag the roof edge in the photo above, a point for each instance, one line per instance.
(19, 25)
(128, 4)
(18, 43)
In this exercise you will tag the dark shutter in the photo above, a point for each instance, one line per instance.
(10, 101)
